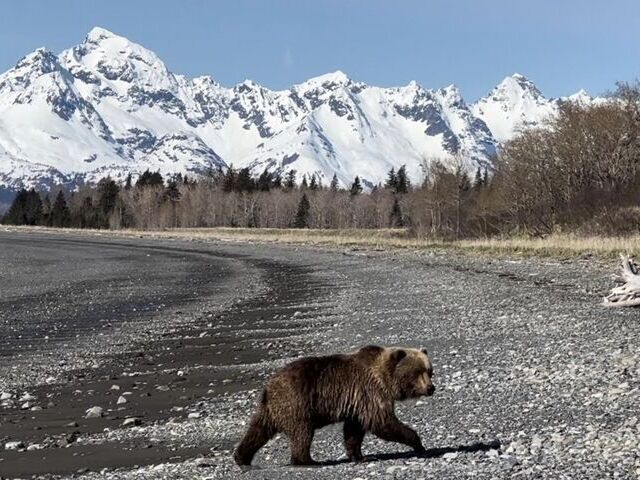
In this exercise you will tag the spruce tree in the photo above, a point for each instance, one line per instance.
(26, 209)
(403, 184)
(313, 185)
(265, 181)
(356, 187)
(60, 216)
(143, 179)
(244, 181)
(107, 195)
(15, 215)
(127, 182)
(392, 180)
(290, 180)
(302, 215)
(334, 183)
(150, 179)
(304, 184)
(156, 180)
(229, 179)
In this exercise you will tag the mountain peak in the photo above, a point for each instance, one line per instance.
(518, 83)
(451, 91)
(41, 59)
(513, 104)
(115, 58)
(581, 97)
(338, 77)
(110, 44)
(98, 33)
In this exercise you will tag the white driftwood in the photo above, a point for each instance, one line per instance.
(628, 293)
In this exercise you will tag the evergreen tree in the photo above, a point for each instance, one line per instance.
(392, 180)
(313, 185)
(229, 179)
(107, 190)
(33, 208)
(26, 209)
(127, 182)
(290, 180)
(150, 179)
(485, 179)
(60, 216)
(403, 184)
(156, 180)
(244, 182)
(265, 181)
(395, 218)
(333, 186)
(356, 187)
(302, 215)
(16, 213)
(304, 185)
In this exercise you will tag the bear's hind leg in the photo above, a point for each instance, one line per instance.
(259, 433)
(300, 439)
(353, 437)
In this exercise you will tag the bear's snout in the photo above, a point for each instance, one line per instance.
(431, 389)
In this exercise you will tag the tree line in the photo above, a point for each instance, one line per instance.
(579, 172)
(229, 197)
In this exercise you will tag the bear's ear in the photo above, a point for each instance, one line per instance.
(424, 350)
(395, 358)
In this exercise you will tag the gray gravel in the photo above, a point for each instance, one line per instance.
(534, 378)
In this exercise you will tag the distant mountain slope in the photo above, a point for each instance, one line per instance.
(109, 106)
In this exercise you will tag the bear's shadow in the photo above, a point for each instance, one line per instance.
(429, 453)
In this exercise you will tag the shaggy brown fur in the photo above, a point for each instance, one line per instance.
(359, 389)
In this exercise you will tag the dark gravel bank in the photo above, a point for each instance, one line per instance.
(535, 379)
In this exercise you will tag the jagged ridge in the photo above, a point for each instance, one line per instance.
(110, 106)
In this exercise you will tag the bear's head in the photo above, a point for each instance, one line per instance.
(411, 373)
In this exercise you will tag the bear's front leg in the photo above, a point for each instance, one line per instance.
(301, 438)
(393, 430)
(353, 437)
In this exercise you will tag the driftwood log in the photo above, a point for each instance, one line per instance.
(628, 293)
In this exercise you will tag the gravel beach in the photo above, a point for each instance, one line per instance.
(143, 358)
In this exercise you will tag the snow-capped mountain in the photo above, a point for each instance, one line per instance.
(109, 106)
(514, 104)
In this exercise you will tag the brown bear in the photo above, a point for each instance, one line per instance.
(359, 389)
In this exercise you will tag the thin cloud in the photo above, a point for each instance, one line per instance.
(287, 58)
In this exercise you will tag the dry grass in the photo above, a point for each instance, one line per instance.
(555, 245)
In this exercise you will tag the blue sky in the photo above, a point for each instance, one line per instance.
(562, 45)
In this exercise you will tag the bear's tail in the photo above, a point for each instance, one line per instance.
(260, 431)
